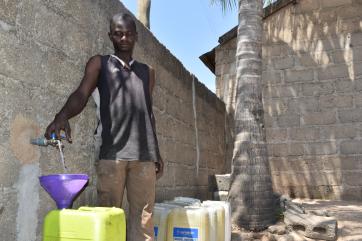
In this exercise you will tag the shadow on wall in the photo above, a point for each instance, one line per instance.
(312, 77)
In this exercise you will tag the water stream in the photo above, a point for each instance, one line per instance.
(62, 156)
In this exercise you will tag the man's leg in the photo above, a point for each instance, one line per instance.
(141, 181)
(111, 181)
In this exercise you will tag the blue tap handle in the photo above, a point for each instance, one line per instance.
(62, 136)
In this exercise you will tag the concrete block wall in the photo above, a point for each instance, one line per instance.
(44, 46)
(312, 77)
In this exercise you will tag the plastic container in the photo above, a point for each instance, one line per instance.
(223, 211)
(160, 218)
(86, 223)
(189, 200)
(188, 223)
(184, 201)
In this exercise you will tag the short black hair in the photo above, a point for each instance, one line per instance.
(124, 17)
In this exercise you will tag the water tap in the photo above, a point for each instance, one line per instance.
(42, 141)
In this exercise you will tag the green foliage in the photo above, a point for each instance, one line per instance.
(226, 4)
(231, 4)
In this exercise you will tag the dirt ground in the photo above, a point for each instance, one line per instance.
(348, 214)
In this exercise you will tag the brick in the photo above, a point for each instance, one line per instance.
(299, 75)
(350, 115)
(308, 60)
(356, 39)
(288, 120)
(351, 193)
(310, 224)
(333, 101)
(319, 118)
(317, 89)
(271, 77)
(353, 178)
(182, 175)
(302, 105)
(219, 182)
(351, 147)
(295, 149)
(342, 56)
(339, 132)
(334, 3)
(8, 11)
(358, 68)
(343, 163)
(283, 63)
(349, 11)
(333, 72)
(276, 135)
(307, 5)
(303, 134)
(281, 91)
(321, 148)
(277, 150)
(357, 100)
(273, 50)
(344, 86)
(275, 106)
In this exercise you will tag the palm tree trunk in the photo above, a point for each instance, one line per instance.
(143, 12)
(250, 194)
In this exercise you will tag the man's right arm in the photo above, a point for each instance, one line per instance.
(77, 100)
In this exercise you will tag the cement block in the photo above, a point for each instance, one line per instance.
(321, 148)
(304, 134)
(311, 226)
(350, 115)
(291, 120)
(220, 195)
(333, 72)
(334, 3)
(317, 89)
(332, 101)
(8, 11)
(319, 118)
(299, 75)
(219, 182)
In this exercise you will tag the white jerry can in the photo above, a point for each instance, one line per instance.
(188, 223)
(225, 221)
(217, 221)
(184, 201)
(160, 217)
(189, 200)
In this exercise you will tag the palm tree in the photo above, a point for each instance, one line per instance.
(143, 12)
(250, 194)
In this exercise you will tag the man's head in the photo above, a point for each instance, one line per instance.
(122, 32)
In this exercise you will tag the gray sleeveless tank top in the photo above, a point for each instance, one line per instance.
(128, 127)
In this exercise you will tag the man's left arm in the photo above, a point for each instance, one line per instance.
(159, 164)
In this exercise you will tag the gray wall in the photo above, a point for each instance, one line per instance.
(44, 46)
(312, 77)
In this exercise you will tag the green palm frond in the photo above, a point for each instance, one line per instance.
(226, 4)
(231, 4)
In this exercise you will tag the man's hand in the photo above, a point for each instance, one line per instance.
(59, 124)
(159, 169)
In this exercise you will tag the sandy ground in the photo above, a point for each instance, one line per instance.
(348, 214)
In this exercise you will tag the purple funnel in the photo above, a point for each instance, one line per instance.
(63, 188)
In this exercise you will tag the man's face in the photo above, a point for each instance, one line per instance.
(123, 36)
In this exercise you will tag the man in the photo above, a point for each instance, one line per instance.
(129, 154)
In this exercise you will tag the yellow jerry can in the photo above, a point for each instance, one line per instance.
(86, 223)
